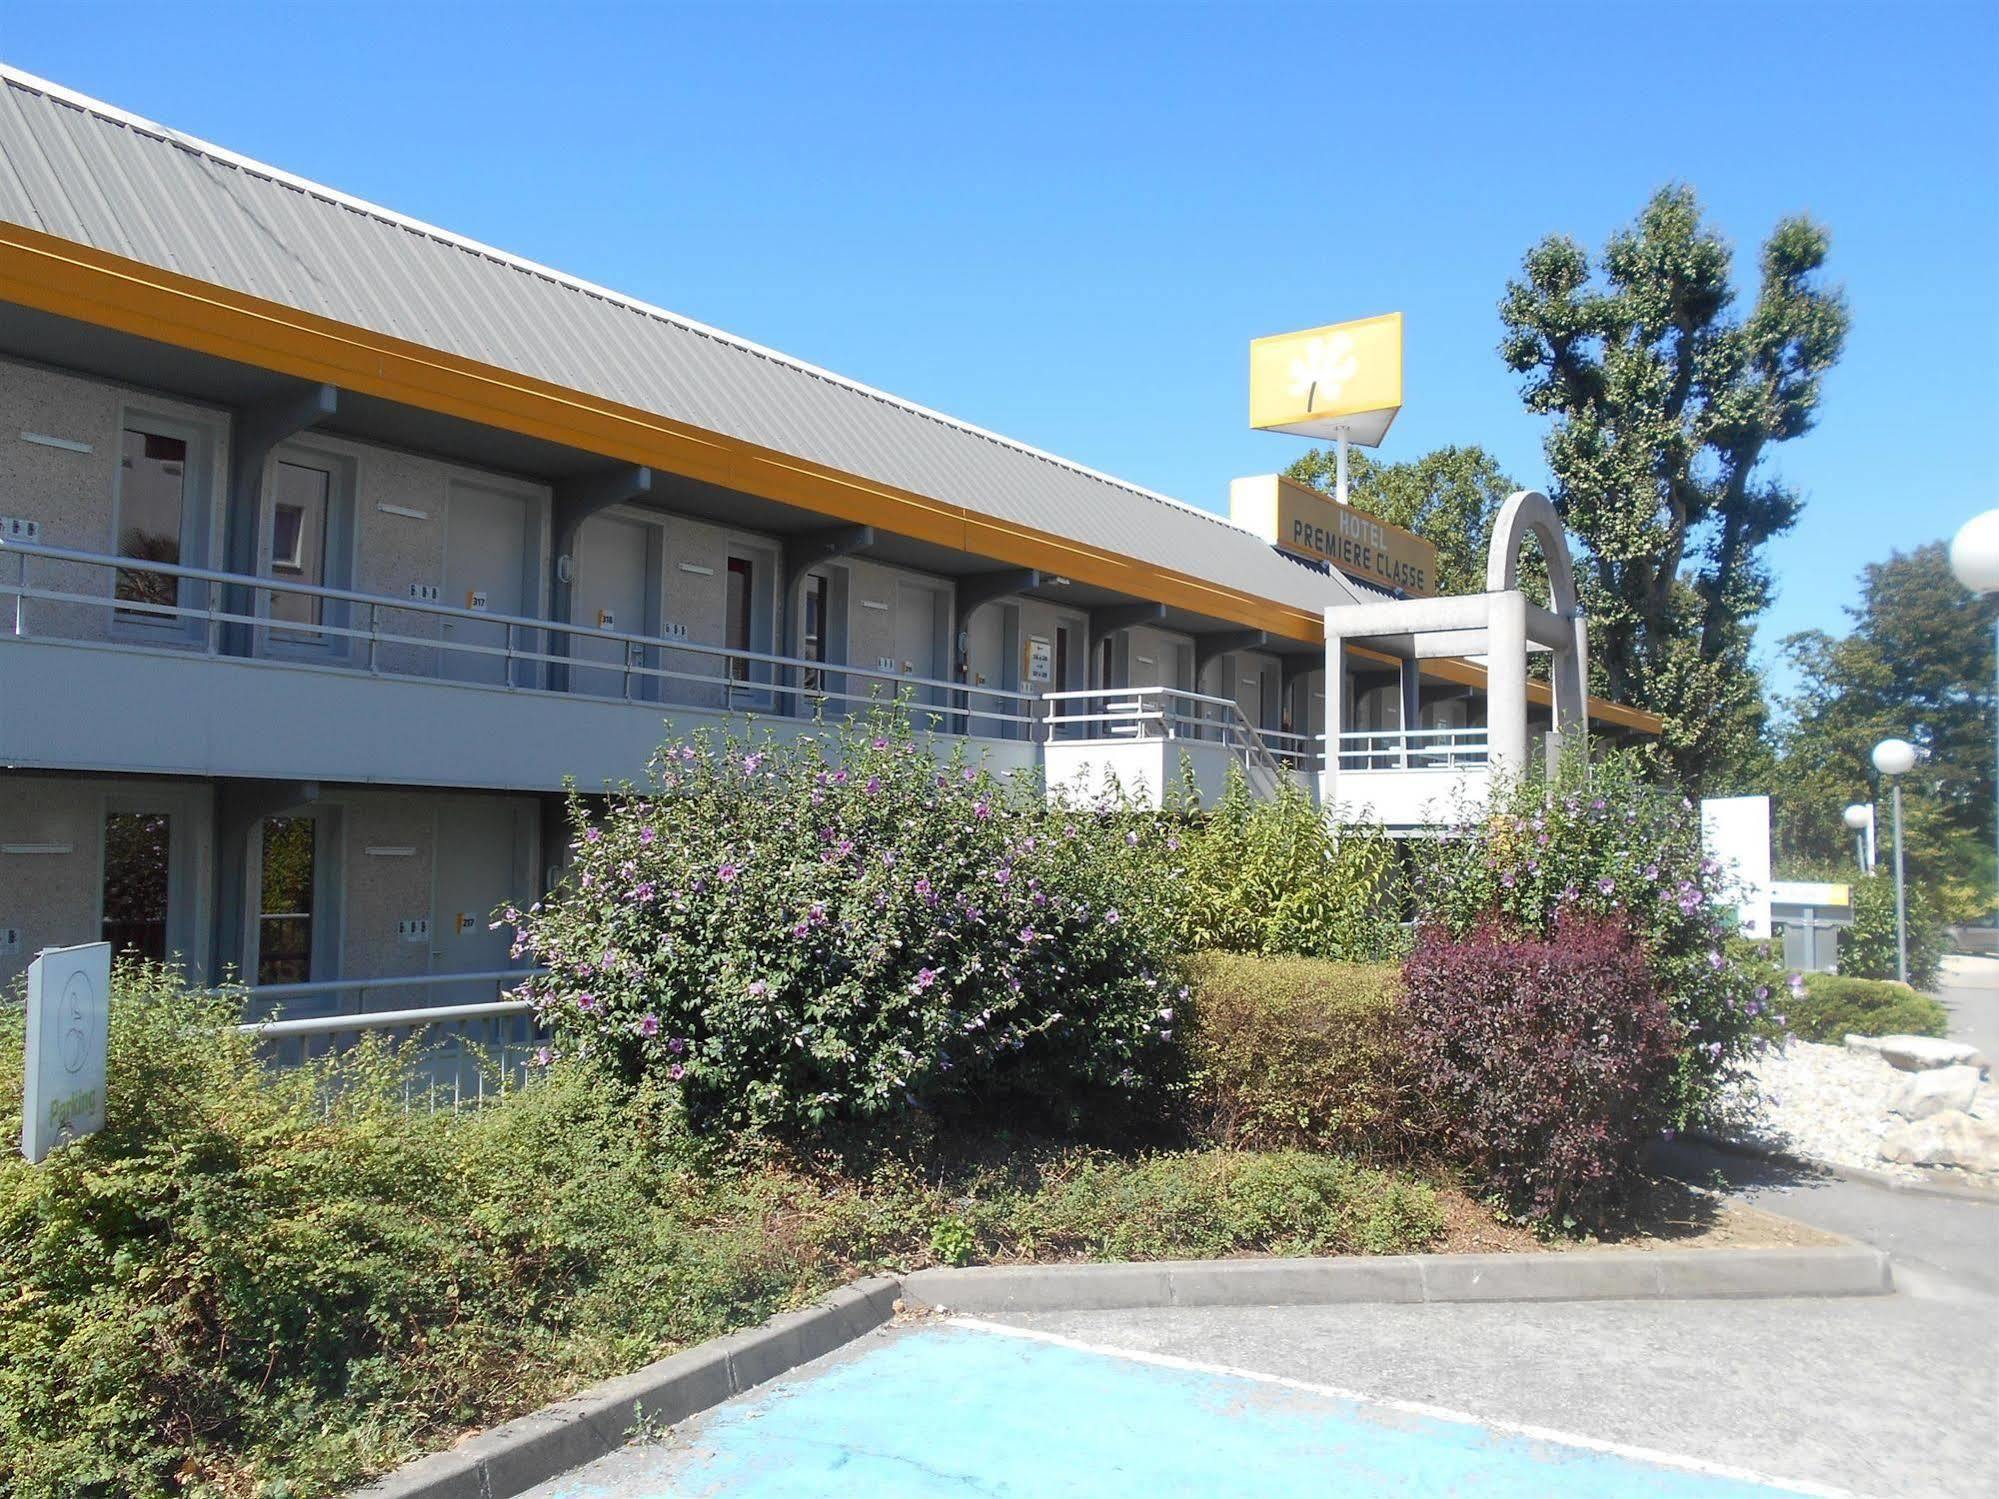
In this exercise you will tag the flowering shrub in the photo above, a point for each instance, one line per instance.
(1544, 1059)
(843, 928)
(1613, 845)
(1277, 877)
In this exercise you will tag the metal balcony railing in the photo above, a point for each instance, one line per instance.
(1164, 713)
(194, 609)
(1414, 749)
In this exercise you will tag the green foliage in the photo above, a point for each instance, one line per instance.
(1296, 1053)
(1828, 1007)
(1665, 405)
(1449, 497)
(1605, 841)
(952, 1241)
(1917, 665)
(1277, 877)
(1200, 1204)
(274, 1283)
(854, 928)
(1867, 949)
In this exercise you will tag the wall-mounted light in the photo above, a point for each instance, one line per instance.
(37, 848)
(1058, 582)
(390, 851)
(697, 569)
(407, 512)
(874, 604)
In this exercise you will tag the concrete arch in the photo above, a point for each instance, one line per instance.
(1528, 510)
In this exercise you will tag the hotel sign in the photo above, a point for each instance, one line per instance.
(1322, 382)
(69, 1013)
(1296, 518)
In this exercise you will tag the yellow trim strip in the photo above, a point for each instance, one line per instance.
(68, 279)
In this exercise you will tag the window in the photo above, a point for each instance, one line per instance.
(812, 637)
(301, 498)
(152, 516)
(284, 915)
(741, 593)
(137, 846)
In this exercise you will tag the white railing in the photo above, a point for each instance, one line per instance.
(1414, 749)
(362, 631)
(1119, 714)
(1304, 754)
(485, 1046)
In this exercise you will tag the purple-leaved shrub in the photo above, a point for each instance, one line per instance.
(1543, 1059)
(1612, 844)
(849, 927)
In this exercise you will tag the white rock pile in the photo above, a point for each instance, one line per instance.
(1900, 1104)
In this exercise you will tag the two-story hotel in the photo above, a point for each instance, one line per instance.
(331, 543)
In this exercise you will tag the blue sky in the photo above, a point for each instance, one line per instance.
(1065, 222)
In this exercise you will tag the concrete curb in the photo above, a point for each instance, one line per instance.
(510, 1459)
(1584, 1275)
(514, 1457)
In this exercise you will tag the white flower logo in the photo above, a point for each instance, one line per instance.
(1325, 366)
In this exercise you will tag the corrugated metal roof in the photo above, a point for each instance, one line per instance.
(88, 172)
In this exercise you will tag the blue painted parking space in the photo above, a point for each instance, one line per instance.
(962, 1407)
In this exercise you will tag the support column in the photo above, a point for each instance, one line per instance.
(1336, 715)
(1506, 683)
(801, 553)
(969, 596)
(254, 433)
(576, 500)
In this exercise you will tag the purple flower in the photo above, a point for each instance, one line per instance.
(586, 1001)
(646, 835)
(543, 1056)
(1111, 917)
(1507, 879)
(874, 785)
(1607, 885)
(925, 978)
(591, 835)
(758, 989)
(676, 1046)
(726, 874)
(1651, 872)
(675, 1073)
(1027, 936)
(1714, 961)
(649, 1025)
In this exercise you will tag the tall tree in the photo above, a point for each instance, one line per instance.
(1665, 405)
(1449, 498)
(1917, 665)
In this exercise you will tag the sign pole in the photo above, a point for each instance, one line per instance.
(1340, 465)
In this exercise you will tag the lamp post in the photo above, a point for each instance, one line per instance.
(1895, 758)
(1860, 818)
(1974, 557)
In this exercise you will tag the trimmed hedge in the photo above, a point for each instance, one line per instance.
(1833, 1006)
(1298, 1053)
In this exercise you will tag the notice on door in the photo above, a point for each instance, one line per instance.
(69, 1023)
(1040, 659)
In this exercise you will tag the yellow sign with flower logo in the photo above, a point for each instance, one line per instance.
(1325, 381)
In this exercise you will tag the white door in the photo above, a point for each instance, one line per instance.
(485, 563)
(985, 664)
(916, 615)
(612, 571)
(476, 843)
